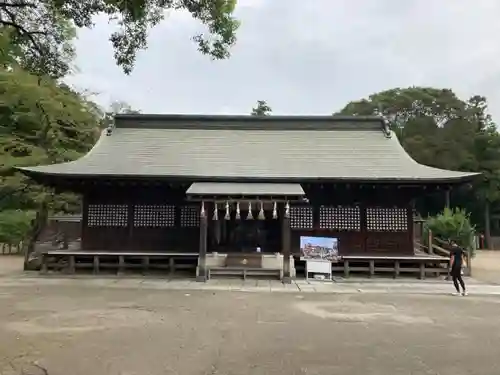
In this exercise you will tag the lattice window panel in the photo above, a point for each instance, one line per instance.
(107, 215)
(340, 218)
(154, 216)
(190, 216)
(301, 217)
(387, 219)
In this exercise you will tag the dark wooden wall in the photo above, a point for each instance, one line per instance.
(360, 230)
(139, 219)
(374, 220)
(365, 219)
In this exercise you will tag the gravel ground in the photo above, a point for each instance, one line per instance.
(76, 329)
(486, 266)
(88, 326)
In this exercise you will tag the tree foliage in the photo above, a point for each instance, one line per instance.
(440, 130)
(41, 36)
(452, 225)
(41, 29)
(14, 226)
(261, 109)
(41, 122)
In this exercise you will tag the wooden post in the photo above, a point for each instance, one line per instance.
(145, 264)
(202, 256)
(44, 268)
(65, 239)
(411, 224)
(96, 264)
(422, 271)
(447, 198)
(286, 242)
(84, 221)
(171, 266)
(71, 268)
(121, 264)
(429, 242)
(130, 226)
(346, 268)
(364, 230)
(396, 269)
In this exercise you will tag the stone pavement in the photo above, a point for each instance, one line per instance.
(345, 286)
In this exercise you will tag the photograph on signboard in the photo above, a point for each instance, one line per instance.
(319, 248)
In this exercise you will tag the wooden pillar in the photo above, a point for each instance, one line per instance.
(411, 225)
(130, 225)
(447, 198)
(286, 242)
(430, 249)
(65, 237)
(363, 227)
(84, 222)
(202, 256)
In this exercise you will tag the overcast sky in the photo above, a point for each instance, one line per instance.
(305, 57)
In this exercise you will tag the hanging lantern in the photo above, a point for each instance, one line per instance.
(287, 210)
(216, 213)
(261, 212)
(228, 215)
(275, 211)
(238, 216)
(202, 212)
(249, 216)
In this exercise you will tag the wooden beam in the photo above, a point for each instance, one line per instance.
(83, 223)
(447, 198)
(286, 244)
(130, 224)
(202, 257)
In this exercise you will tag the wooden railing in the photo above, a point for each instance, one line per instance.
(8, 249)
(435, 246)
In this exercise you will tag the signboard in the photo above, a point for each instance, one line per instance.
(319, 248)
(318, 266)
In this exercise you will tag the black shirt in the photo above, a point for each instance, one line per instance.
(457, 253)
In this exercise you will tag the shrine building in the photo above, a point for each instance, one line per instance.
(215, 187)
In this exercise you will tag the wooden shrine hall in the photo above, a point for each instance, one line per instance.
(236, 193)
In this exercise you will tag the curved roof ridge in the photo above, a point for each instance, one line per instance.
(83, 158)
(248, 122)
(405, 155)
(228, 154)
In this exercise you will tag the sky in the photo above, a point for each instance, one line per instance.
(304, 57)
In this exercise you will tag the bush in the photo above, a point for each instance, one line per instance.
(452, 225)
(14, 226)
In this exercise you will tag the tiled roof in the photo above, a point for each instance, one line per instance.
(231, 148)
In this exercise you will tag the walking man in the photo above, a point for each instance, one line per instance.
(456, 262)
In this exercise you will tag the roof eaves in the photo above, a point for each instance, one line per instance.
(465, 177)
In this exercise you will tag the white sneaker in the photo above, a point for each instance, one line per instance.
(456, 294)
(465, 294)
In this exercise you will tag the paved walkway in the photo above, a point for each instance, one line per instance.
(11, 275)
(403, 286)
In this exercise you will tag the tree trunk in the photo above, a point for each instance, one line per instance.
(487, 230)
(37, 226)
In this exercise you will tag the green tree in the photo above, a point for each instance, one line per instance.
(261, 109)
(41, 122)
(41, 28)
(14, 227)
(452, 225)
(439, 129)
